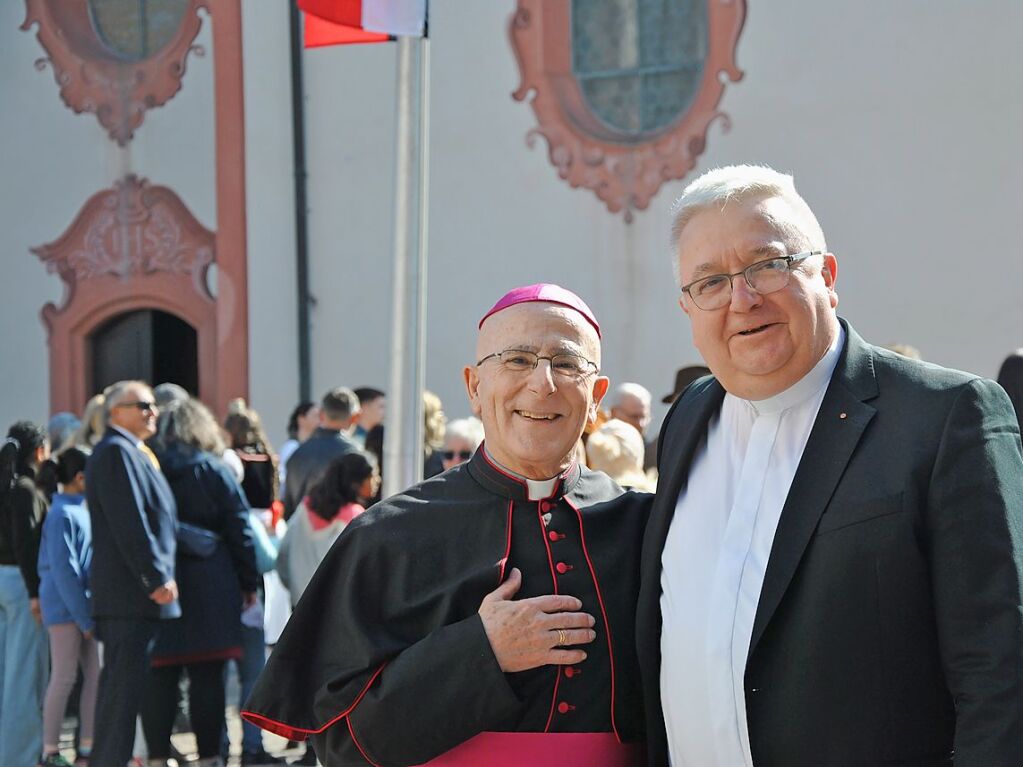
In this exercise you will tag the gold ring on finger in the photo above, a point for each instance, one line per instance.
(562, 637)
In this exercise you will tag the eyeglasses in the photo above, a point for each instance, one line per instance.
(565, 367)
(768, 276)
(145, 407)
(462, 455)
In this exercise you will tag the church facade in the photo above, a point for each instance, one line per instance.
(149, 198)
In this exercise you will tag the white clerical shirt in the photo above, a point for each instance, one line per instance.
(714, 561)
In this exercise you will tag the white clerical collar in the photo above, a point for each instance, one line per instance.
(124, 432)
(540, 488)
(805, 387)
(537, 489)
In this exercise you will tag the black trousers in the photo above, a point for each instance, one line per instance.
(127, 645)
(205, 707)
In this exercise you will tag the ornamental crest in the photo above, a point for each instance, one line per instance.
(624, 91)
(131, 229)
(116, 83)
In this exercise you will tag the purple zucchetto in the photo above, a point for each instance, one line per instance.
(548, 293)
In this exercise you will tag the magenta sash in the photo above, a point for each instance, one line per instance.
(539, 749)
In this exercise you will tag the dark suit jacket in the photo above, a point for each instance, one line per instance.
(889, 629)
(134, 525)
(308, 462)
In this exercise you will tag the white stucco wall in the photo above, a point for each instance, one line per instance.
(901, 124)
(53, 161)
(270, 219)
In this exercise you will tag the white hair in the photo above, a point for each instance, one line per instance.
(623, 390)
(116, 393)
(718, 187)
(469, 430)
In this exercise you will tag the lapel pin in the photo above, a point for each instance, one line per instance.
(842, 415)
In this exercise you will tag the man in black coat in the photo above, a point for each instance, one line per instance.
(832, 570)
(484, 616)
(339, 412)
(134, 524)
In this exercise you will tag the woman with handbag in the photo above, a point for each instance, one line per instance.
(216, 575)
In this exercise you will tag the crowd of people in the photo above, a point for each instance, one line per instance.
(242, 527)
(145, 546)
(228, 533)
(149, 536)
(829, 572)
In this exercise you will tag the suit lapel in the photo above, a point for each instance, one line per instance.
(684, 429)
(840, 423)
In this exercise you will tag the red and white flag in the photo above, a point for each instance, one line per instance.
(333, 22)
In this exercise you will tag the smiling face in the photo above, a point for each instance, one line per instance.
(532, 421)
(758, 345)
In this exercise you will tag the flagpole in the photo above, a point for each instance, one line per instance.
(403, 437)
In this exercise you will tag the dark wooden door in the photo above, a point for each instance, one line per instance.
(149, 345)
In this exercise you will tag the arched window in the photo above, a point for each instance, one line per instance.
(136, 29)
(638, 62)
(625, 90)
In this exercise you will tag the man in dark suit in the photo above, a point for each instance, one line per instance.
(134, 524)
(339, 412)
(832, 571)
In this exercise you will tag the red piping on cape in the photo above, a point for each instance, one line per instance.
(300, 733)
(554, 698)
(603, 612)
(357, 744)
(507, 545)
(522, 482)
(499, 470)
(554, 580)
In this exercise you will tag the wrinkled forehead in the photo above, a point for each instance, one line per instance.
(540, 327)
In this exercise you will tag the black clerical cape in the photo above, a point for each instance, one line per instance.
(385, 660)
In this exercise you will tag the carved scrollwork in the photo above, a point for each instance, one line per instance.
(131, 230)
(625, 172)
(94, 79)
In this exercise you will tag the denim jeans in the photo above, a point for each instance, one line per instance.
(24, 665)
(250, 665)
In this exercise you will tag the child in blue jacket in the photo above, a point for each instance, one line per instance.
(65, 556)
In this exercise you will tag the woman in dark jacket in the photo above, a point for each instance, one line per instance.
(216, 574)
(23, 658)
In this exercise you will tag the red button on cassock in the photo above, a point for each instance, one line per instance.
(571, 671)
(563, 568)
(554, 535)
(564, 708)
(546, 506)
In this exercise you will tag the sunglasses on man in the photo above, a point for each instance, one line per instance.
(145, 407)
(463, 455)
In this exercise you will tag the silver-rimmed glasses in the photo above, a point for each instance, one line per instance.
(564, 366)
(767, 276)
